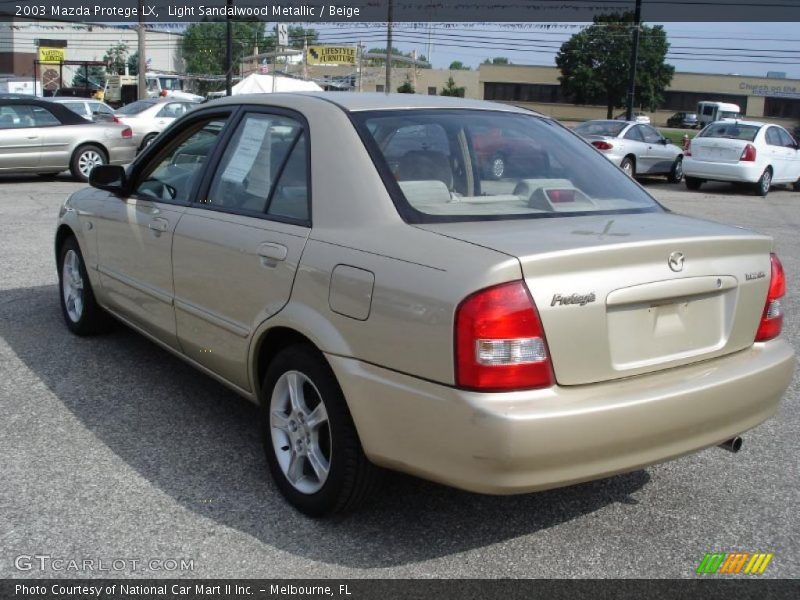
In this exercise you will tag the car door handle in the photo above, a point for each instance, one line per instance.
(33, 137)
(158, 224)
(273, 251)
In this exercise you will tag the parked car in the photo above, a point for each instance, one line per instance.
(636, 148)
(40, 136)
(147, 118)
(502, 154)
(637, 118)
(500, 336)
(685, 120)
(745, 152)
(88, 108)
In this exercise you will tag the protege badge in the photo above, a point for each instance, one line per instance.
(581, 299)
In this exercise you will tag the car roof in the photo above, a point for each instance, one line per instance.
(62, 113)
(740, 122)
(356, 102)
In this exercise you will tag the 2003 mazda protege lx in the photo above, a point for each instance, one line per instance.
(344, 261)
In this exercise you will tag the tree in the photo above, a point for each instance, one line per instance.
(406, 88)
(451, 90)
(133, 63)
(457, 65)
(203, 48)
(97, 77)
(499, 60)
(595, 63)
(115, 58)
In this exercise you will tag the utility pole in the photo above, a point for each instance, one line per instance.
(388, 85)
(414, 70)
(634, 59)
(142, 51)
(228, 49)
(360, 66)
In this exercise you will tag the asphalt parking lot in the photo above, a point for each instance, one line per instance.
(110, 448)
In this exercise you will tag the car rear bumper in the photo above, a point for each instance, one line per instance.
(719, 171)
(507, 443)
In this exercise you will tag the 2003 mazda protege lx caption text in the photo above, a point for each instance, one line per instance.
(344, 261)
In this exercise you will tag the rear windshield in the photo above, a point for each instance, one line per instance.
(732, 131)
(135, 108)
(608, 128)
(457, 165)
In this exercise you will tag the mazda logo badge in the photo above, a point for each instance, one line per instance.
(675, 261)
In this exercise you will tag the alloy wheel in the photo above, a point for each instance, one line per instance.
(88, 160)
(301, 434)
(72, 285)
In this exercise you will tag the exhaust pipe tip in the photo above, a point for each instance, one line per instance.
(732, 445)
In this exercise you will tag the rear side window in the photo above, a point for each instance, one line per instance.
(635, 134)
(264, 169)
(451, 165)
(732, 131)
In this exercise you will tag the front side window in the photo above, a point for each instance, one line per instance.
(173, 172)
(786, 139)
(635, 134)
(651, 136)
(264, 169)
(434, 163)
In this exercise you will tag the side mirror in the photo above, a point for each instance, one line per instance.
(110, 178)
(664, 141)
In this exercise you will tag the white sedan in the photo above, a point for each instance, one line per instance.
(147, 118)
(743, 151)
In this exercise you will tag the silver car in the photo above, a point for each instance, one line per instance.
(387, 304)
(147, 118)
(637, 148)
(88, 108)
(39, 136)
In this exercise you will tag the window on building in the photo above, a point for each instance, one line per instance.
(782, 108)
(524, 92)
(379, 88)
(431, 90)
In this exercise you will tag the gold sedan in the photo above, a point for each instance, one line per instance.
(343, 261)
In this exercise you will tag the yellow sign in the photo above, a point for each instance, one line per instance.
(331, 55)
(51, 55)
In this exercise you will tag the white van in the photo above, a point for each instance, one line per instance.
(708, 112)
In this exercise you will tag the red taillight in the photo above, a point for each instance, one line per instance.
(600, 145)
(115, 119)
(499, 341)
(127, 133)
(163, 93)
(772, 317)
(749, 153)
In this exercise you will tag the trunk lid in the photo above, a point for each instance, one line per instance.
(723, 150)
(611, 304)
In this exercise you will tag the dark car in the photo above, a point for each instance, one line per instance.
(503, 154)
(685, 120)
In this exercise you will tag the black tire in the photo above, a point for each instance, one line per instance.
(676, 174)
(351, 478)
(84, 159)
(91, 318)
(796, 186)
(148, 139)
(693, 183)
(764, 183)
(628, 166)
